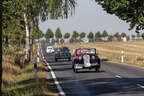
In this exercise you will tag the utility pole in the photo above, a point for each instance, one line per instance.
(1, 47)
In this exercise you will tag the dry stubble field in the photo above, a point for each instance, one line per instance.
(111, 51)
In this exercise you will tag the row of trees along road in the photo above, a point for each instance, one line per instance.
(92, 37)
(21, 19)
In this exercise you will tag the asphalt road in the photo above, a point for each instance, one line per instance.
(112, 80)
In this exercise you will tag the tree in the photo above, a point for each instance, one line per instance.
(98, 36)
(133, 37)
(53, 41)
(71, 40)
(90, 36)
(142, 36)
(66, 35)
(110, 37)
(26, 14)
(49, 34)
(123, 34)
(82, 35)
(118, 36)
(37, 34)
(1, 70)
(58, 34)
(104, 34)
(62, 41)
(75, 35)
(128, 38)
(130, 11)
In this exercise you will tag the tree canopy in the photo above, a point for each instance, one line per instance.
(49, 34)
(66, 35)
(58, 34)
(131, 11)
(13, 15)
(90, 36)
(123, 34)
(98, 35)
(75, 34)
(104, 34)
(82, 35)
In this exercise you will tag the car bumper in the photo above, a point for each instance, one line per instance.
(81, 66)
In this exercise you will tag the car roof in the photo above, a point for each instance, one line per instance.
(87, 48)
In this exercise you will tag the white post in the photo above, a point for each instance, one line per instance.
(122, 56)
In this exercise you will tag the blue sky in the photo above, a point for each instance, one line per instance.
(88, 17)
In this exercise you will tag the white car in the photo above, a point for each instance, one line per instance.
(50, 49)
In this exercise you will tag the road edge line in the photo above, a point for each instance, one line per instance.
(61, 92)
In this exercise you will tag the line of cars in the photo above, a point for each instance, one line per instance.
(83, 58)
(59, 53)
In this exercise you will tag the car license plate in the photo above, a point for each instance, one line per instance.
(94, 64)
(78, 66)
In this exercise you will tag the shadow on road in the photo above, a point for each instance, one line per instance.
(103, 86)
(90, 71)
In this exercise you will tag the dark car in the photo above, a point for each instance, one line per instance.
(62, 53)
(85, 58)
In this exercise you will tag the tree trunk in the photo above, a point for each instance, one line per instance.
(1, 48)
(27, 58)
(31, 42)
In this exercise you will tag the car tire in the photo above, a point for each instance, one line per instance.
(69, 59)
(56, 59)
(74, 70)
(97, 69)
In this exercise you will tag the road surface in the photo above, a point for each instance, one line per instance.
(112, 80)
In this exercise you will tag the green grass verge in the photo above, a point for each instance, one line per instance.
(24, 83)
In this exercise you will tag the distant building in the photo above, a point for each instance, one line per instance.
(86, 41)
(114, 39)
(124, 39)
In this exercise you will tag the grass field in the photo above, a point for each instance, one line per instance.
(18, 79)
(133, 51)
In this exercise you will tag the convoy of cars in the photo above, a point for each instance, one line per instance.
(83, 58)
(62, 53)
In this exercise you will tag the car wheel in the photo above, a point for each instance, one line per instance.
(56, 60)
(97, 69)
(74, 69)
(69, 59)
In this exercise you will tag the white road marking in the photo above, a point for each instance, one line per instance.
(118, 76)
(61, 92)
(140, 85)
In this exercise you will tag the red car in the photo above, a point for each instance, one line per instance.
(85, 58)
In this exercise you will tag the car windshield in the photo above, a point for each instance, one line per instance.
(86, 51)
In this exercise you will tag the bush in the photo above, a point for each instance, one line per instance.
(7, 51)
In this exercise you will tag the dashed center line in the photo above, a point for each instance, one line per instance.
(140, 85)
(118, 76)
